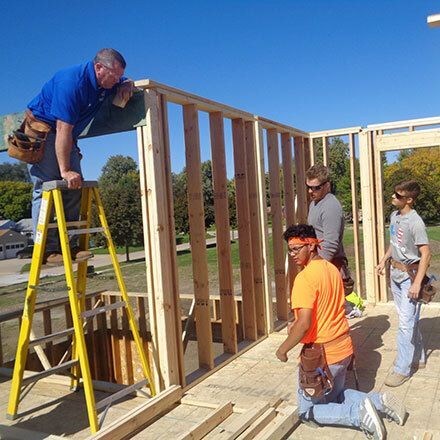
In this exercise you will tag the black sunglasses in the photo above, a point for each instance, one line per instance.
(399, 196)
(316, 187)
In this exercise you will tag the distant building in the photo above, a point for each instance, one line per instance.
(26, 227)
(10, 243)
(7, 224)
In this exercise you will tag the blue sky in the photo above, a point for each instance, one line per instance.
(313, 64)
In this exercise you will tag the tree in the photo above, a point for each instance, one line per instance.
(180, 189)
(339, 166)
(180, 198)
(404, 154)
(120, 192)
(116, 168)
(423, 166)
(208, 193)
(232, 205)
(14, 172)
(339, 163)
(15, 200)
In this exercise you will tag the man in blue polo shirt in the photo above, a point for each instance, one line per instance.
(68, 102)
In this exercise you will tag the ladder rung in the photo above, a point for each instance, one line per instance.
(84, 231)
(120, 394)
(51, 337)
(49, 371)
(103, 309)
(68, 224)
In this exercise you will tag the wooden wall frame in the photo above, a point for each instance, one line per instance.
(257, 294)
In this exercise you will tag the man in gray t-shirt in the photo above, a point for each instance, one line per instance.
(327, 217)
(408, 245)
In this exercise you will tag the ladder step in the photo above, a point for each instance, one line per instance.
(62, 184)
(51, 337)
(103, 309)
(69, 224)
(72, 232)
(49, 371)
(120, 394)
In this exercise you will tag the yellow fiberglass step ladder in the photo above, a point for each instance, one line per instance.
(79, 363)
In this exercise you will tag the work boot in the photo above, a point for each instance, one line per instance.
(393, 408)
(78, 255)
(370, 422)
(53, 258)
(395, 379)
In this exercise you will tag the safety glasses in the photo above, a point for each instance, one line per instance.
(316, 187)
(294, 250)
(399, 196)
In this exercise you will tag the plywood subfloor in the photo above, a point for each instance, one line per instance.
(257, 376)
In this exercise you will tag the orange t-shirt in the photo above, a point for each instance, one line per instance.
(319, 287)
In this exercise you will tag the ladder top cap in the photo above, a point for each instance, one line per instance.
(62, 184)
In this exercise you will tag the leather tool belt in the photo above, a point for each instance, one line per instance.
(315, 378)
(427, 290)
(27, 143)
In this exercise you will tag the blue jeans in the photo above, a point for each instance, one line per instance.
(45, 171)
(410, 348)
(341, 406)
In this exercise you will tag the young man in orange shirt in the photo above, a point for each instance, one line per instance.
(318, 304)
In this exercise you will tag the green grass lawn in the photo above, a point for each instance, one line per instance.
(180, 239)
(433, 233)
(184, 258)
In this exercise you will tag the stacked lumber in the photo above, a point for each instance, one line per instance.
(265, 420)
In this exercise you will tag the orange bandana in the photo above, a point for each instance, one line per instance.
(309, 240)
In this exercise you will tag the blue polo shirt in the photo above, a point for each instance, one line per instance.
(72, 96)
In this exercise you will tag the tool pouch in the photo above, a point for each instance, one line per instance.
(315, 378)
(427, 290)
(27, 143)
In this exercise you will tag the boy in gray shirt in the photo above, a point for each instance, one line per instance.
(408, 245)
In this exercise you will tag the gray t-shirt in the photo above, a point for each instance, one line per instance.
(406, 233)
(327, 217)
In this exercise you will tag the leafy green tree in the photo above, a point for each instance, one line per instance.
(318, 151)
(232, 205)
(208, 193)
(180, 189)
(180, 198)
(423, 166)
(403, 154)
(15, 200)
(339, 163)
(120, 193)
(116, 168)
(14, 172)
(339, 166)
